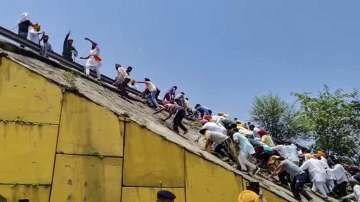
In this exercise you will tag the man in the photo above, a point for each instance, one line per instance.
(317, 175)
(169, 96)
(246, 150)
(179, 113)
(165, 196)
(251, 194)
(341, 180)
(288, 152)
(254, 130)
(202, 110)
(152, 92)
(23, 25)
(123, 76)
(355, 195)
(219, 141)
(214, 127)
(266, 138)
(34, 33)
(46, 46)
(68, 49)
(93, 60)
(298, 177)
(180, 99)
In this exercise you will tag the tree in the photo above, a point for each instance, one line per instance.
(278, 117)
(334, 119)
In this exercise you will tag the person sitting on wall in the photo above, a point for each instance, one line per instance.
(252, 193)
(165, 196)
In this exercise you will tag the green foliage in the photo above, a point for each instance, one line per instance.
(278, 117)
(334, 118)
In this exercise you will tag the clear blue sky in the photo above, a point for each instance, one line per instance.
(222, 53)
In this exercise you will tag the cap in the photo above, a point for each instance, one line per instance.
(262, 132)
(163, 194)
(320, 153)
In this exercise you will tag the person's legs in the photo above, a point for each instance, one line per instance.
(320, 187)
(153, 99)
(98, 74)
(295, 191)
(283, 178)
(87, 70)
(180, 115)
(220, 149)
(340, 189)
(23, 35)
(299, 182)
(244, 162)
(177, 122)
(330, 185)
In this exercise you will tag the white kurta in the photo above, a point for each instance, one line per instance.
(316, 170)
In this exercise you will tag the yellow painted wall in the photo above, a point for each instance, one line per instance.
(271, 197)
(134, 170)
(208, 182)
(146, 194)
(87, 128)
(13, 193)
(27, 153)
(26, 96)
(150, 160)
(86, 178)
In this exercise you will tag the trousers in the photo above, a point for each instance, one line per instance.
(177, 122)
(244, 162)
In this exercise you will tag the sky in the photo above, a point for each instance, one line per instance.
(221, 53)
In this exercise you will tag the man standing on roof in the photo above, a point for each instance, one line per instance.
(34, 33)
(297, 175)
(122, 79)
(24, 25)
(317, 175)
(180, 99)
(68, 49)
(169, 96)
(45, 48)
(152, 92)
(202, 110)
(288, 152)
(179, 112)
(246, 150)
(266, 138)
(93, 60)
(219, 141)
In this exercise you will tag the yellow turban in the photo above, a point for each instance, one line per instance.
(248, 196)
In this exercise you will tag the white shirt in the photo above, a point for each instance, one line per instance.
(338, 173)
(91, 61)
(357, 192)
(316, 170)
(211, 126)
(216, 137)
(34, 35)
(121, 74)
(287, 152)
(150, 86)
(244, 145)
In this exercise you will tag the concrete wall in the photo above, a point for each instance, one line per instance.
(57, 146)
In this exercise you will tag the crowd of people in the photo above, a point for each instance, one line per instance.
(242, 145)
